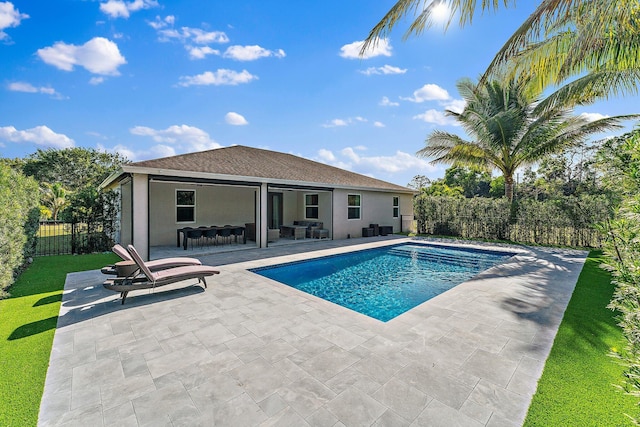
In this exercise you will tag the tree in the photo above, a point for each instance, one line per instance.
(54, 197)
(473, 182)
(74, 168)
(497, 187)
(594, 39)
(419, 182)
(98, 210)
(439, 188)
(507, 131)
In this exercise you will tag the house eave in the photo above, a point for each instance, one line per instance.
(237, 178)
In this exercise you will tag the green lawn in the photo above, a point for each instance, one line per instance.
(28, 321)
(576, 387)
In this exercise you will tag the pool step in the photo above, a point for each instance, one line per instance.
(443, 258)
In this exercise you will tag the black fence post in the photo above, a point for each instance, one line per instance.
(73, 238)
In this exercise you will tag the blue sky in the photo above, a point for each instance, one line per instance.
(153, 78)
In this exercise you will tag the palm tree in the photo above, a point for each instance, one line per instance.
(594, 39)
(54, 196)
(508, 131)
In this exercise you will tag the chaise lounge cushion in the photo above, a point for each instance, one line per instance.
(156, 265)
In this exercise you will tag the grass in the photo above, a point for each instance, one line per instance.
(576, 387)
(28, 324)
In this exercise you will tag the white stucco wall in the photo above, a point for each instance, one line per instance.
(140, 209)
(126, 230)
(375, 208)
(215, 205)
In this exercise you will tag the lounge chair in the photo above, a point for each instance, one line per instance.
(148, 279)
(155, 265)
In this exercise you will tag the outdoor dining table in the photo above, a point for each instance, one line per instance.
(185, 233)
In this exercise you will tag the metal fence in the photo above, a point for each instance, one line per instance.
(58, 238)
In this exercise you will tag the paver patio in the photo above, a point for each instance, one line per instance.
(251, 351)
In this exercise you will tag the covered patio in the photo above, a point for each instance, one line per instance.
(266, 197)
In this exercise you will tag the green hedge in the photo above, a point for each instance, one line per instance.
(568, 221)
(19, 214)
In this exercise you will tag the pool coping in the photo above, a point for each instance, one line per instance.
(471, 355)
(366, 247)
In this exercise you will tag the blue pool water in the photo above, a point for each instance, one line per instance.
(384, 282)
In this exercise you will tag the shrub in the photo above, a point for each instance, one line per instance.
(622, 249)
(566, 221)
(19, 214)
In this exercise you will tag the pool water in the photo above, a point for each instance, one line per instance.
(385, 282)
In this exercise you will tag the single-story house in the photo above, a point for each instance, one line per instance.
(240, 185)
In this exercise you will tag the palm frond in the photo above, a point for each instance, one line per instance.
(594, 86)
(423, 9)
(563, 38)
(532, 30)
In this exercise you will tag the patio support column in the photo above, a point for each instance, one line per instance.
(262, 217)
(140, 220)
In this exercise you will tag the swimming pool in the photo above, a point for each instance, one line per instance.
(385, 282)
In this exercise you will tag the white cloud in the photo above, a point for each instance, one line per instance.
(352, 50)
(181, 138)
(336, 123)
(195, 40)
(39, 135)
(97, 135)
(385, 102)
(385, 69)
(98, 56)
(350, 154)
(344, 122)
(220, 77)
(429, 92)
(200, 52)
(9, 17)
(378, 124)
(456, 105)
(235, 119)
(326, 155)
(251, 53)
(96, 80)
(592, 117)
(122, 9)
(351, 158)
(192, 35)
(160, 23)
(436, 117)
(154, 152)
(29, 88)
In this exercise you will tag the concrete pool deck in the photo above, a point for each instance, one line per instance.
(251, 351)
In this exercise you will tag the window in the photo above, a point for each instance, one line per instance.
(185, 206)
(353, 208)
(396, 206)
(311, 206)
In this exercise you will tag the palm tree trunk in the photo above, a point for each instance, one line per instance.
(508, 187)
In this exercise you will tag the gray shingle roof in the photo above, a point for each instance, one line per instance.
(244, 161)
